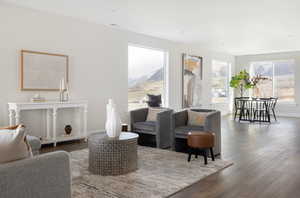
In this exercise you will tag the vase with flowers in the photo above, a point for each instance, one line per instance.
(243, 82)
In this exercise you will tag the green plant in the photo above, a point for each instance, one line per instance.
(242, 81)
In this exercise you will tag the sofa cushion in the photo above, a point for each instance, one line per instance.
(152, 114)
(148, 127)
(196, 118)
(14, 145)
(182, 131)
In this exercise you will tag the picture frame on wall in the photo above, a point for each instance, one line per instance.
(41, 71)
(192, 75)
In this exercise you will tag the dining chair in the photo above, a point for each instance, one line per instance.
(272, 106)
(237, 106)
(246, 110)
(262, 110)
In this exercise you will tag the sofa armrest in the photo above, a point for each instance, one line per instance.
(139, 115)
(43, 176)
(163, 128)
(213, 124)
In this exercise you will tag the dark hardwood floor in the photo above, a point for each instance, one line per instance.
(266, 162)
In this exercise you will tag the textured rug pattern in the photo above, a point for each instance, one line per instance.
(161, 173)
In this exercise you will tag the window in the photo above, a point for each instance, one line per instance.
(220, 81)
(146, 75)
(282, 79)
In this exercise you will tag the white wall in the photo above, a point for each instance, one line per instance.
(98, 62)
(292, 109)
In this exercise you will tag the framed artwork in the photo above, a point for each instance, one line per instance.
(192, 72)
(42, 71)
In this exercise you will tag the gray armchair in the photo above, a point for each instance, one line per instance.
(181, 129)
(160, 129)
(42, 176)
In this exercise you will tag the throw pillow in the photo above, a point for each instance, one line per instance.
(154, 100)
(196, 118)
(13, 145)
(152, 113)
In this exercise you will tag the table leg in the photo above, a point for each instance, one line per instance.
(17, 116)
(54, 125)
(48, 123)
(85, 111)
(11, 119)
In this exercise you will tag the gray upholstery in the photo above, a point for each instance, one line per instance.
(161, 128)
(35, 144)
(147, 127)
(43, 176)
(212, 124)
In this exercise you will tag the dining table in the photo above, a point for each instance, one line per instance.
(254, 109)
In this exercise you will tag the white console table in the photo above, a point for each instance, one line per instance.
(51, 107)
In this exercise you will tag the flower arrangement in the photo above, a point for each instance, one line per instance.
(243, 81)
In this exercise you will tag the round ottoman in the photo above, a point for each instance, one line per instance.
(112, 156)
(200, 142)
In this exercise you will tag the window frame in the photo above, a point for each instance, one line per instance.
(229, 67)
(274, 83)
(165, 98)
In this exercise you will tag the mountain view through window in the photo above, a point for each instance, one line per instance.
(145, 75)
(282, 79)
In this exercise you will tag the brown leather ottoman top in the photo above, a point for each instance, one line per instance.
(201, 139)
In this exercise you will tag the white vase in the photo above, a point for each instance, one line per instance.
(113, 122)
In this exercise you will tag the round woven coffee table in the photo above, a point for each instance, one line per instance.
(112, 156)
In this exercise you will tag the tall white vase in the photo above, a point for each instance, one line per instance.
(113, 122)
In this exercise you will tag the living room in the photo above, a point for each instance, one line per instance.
(105, 48)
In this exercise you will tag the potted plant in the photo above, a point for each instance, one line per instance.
(241, 81)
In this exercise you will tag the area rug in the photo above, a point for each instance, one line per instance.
(160, 174)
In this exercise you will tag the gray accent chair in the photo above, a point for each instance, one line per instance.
(42, 176)
(160, 129)
(181, 128)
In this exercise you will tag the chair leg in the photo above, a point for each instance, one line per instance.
(235, 114)
(205, 156)
(268, 116)
(274, 115)
(190, 155)
(212, 154)
(260, 118)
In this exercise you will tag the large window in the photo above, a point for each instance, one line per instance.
(146, 72)
(281, 81)
(220, 81)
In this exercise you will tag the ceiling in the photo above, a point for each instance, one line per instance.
(238, 27)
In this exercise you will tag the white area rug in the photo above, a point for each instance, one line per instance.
(160, 174)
